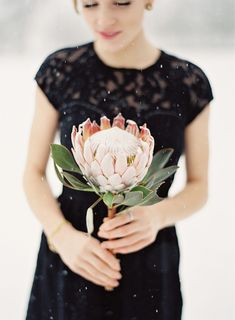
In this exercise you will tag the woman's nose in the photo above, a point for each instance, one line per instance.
(105, 19)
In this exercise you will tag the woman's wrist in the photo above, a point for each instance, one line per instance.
(58, 234)
(159, 217)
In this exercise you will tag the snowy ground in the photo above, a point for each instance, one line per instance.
(207, 254)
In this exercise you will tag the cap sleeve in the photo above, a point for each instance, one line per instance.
(50, 77)
(199, 92)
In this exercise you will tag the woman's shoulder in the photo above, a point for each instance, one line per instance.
(181, 67)
(68, 54)
(191, 81)
(54, 73)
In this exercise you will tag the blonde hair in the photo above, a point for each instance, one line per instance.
(75, 5)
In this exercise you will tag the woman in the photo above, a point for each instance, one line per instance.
(120, 71)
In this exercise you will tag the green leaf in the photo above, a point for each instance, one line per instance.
(96, 190)
(156, 186)
(132, 198)
(161, 175)
(61, 178)
(108, 199)
(77, 183)
(159, 160)
(118, 198)
(63, 158)
(145, 190)
(151, 199)
(90, 220)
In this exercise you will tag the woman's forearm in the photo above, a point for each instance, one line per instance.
(42, 201)
(182, 205)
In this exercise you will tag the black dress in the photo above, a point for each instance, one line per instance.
(167, 95)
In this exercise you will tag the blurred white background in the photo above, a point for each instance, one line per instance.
(200, 31)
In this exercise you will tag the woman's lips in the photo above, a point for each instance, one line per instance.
(109, 35)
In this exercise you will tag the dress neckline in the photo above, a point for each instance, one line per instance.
(154, 65)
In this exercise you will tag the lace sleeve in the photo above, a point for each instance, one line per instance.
(50, 77)
(199, 92)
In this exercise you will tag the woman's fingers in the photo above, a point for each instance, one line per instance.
(88, 272)
(122, 231)
(132, 248)
(126, 241)
(93, 272)
(107, 257)
(101, 267)
(115, 222)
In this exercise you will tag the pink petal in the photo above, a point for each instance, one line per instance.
(100, 152)
(93, 180)
(142, 174)
(115, 179)
(95, 168)
(121, 163)
(104, 123)
(107, 165)
(78, 157)
(94, 127)
(73, 135)
(102, 180)
(151, 148)
(144, 133)
(132, 181)
(119, 121)
(87, 152)
(132, 128)
(142, 163)
(137, 158)
(87, 170)
(86, 127)
(120, 187)
(129, 174)
(79, 139)
(108, 187)
(145, 146)
(102, 189)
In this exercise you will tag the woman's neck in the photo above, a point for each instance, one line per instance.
(140, 53)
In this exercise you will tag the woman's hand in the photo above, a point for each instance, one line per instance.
(84, 255)
(134, 235)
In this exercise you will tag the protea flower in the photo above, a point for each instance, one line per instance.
(115, 157)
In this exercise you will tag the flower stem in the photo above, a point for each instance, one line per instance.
(111, 214)
(95, 203)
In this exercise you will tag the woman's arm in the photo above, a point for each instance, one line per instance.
(195, 193)
(36, 187)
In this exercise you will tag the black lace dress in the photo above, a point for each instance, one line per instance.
(167, 95)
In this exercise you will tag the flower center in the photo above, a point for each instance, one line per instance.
(116, 140)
